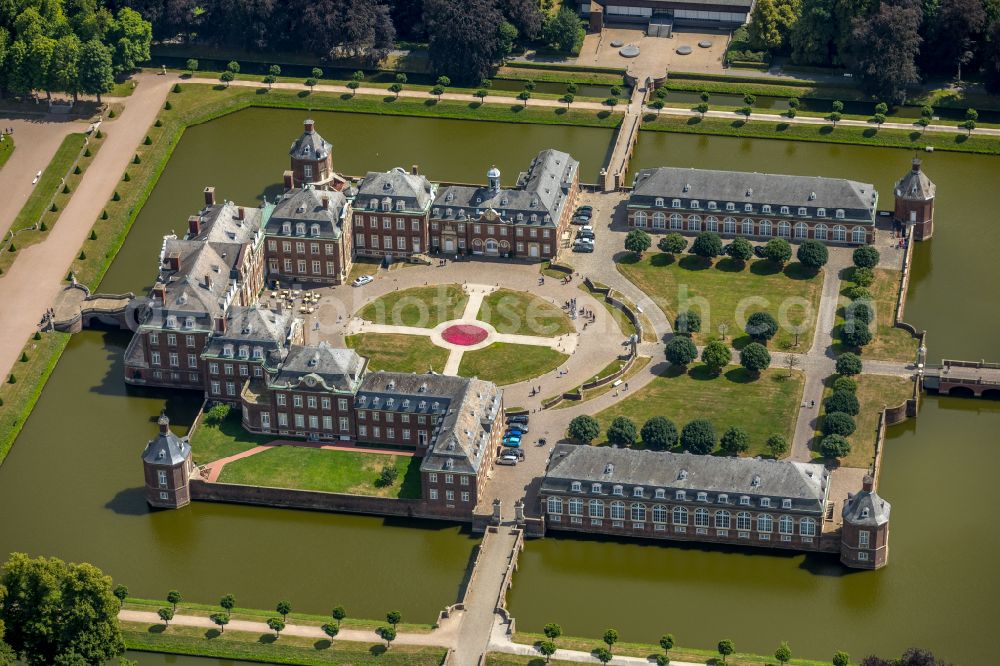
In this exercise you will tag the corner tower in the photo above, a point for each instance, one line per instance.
(864, 538)
(915, 202)
(167, 464)
(312, 161)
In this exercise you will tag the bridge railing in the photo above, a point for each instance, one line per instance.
(970, 364)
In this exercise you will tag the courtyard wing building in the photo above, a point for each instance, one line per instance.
(391, 211)
(758, 206)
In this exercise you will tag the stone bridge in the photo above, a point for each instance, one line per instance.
(964, 378)
(76, 309)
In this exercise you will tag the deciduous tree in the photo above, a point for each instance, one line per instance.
(716, 356)
(698, 436)
(637, 241)
(761, 326)
(622, 431)
(835, 446)
(778, 251)
(838, 423)
(735, 441)
(707, 244)
(883, 49)
(283, 608)
(659, 433)
(725, 648)
(812, 254)
(777, 445)
(584, 428)
(680, 350)
(672, 243)
(848, 364)
(687, 322)
(755, 358)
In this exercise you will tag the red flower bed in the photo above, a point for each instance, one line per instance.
(464, 334)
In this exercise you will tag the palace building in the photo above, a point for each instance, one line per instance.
(391, 211)
(753, 205)
(687, 497)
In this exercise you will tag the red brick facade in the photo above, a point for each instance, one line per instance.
(752, 226)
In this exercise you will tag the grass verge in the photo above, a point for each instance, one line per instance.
(399, 353)
(763, 406)
(889, 343)
(6, 149)
(328, 471)
(862, 136)
(504, 363)
(265, 648)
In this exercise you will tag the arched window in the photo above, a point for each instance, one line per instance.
(821, 212)
(400, 204)
(694, 222)
(659, 220)
(618, 511)
(695, 203)
(658, 202)
(244, 351)
(659, 513)
(675, 203)
(286, 227)
(743, 521)
(596, 509)
(765, 523)
(387, 204)
(701, 517)
(839, 214)
(820, 232)
(801, 230)
(638, 513)
(712, 223)
(858, 235)
(300, 228)
(676, 221)
(784, 210)
(314, 230)
(722, 520)
(639, 220)
(839, 233)
(729, 225)
(766, 209)
(575, 506)
(764, 229)
(680, 515)
(747, 227)
(807, 527)
(555, 505)
(786, 525)
(373, 204)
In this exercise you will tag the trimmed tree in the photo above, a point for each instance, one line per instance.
(681, 351)
(353, 87)
(778, 251)
(761, 326)
(812, 254)
(191, 66)
(842, 401)
(755, 358)
(716, 356)
(121, 594)
(338, 613)
(637, 241)
(660, 433)
(845, 384)
(388, 634)
(863, 277)
(228, 603)
(707, 245)
(777, 445)
(275, 624)
(672, 243)
(698, 436)
(622, 431)
(687, 322)
(735, 441)
(610, 637)
(166, 614)
(841, 658)
(603, 655)
(848, 364)
(865, 256)
(702, 109)
(393, 618)
(725, 648)
(784, 653)
(740, 250)
(855, 333)
(667, 642)
(173, 598)
(584, 428)
(839, 423)
(834, 446)
(221, 620)
(547, 648)
(552, 631)
(283, 608)
(331, 630)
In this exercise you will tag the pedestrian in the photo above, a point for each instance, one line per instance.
(812, 403)
(626, 386)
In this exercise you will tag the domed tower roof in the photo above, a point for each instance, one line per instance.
(310, 146)
(915, 185)
(494, 172)
(166, 448)
(866, 508)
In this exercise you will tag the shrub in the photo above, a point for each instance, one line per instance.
(698, 436)
(216, 414)
(707, 244)
(167, 106)
(104, 214)
(863, 277)
(778, 250)
(147, 141)
(716, 356)
(76, 170)
(86, 152)
(688, 322)
(65, 189)
(755, 357)
(761, 326)
(126, 178)
(681, 350)
(834, 446)
(659, 432)
(838, 423)
(740, 250)
(857, 292)
(11, 379)
(848, 364)
(860, 311)
(82, 256)
(845, 385)
(111, 113)
(813, 254)
(24, 357)
(387, 476)
(158, 123)
(584, 428)
(672, 243)
(42, 226)
(777, 445)
(622, 432)
(36, 336)
(116, 196)
(855, 334)
(176, 88)
(93, 235)
(12, 248)
(842, 401)
(735, 441)
(98, 134)
(136, 159)
(53, 208)
(866, 257)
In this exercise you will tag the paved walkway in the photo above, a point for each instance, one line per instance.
(34, 281)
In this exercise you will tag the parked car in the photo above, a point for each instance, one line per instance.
(518, 418)
(362, 280)
(584, 211)
(758, 251)
(517, 428)
(517, 453)
(507, 460)
(512, 443)
(587, 227)
(586, 236)
(580, 220)
(516, 439)
(583, 247)
(725, 250)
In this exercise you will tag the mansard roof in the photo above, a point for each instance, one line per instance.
(306, 204)
(915, 185)
(396, 184)
(310, 145)
(866, 508)
(321, 366)
(166, 448)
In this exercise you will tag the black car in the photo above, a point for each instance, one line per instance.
(513, 452)
(758, 251)
(517, 418)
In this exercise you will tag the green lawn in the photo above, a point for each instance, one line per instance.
(213, 441)
(889, 343)
(424, 307)
(263, 647)
(6, 149)
(50, 182)
(520, 313)
(399, 353)
(503, 363)
(721, 289)
(308, 468)
(875, 392)
(763, 407)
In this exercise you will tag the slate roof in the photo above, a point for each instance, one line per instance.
(166, 448)
(866, 508)
(396, 184)
(305, 204)
(332, 368)
(857, 199)
(806, 484)
(542, 190)
(220, 223)
(255, 327)
(310, 145)
(187, 292)
(915, 185)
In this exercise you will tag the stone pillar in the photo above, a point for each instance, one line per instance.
(497, 514)
(519, 512)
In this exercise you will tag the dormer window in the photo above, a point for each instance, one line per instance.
(680, 495)
(786, 504)
(748, 208)
(227, 351)
(387, 204)
(534, 218)
(695, 203)
(840, 213)
(702, 497)
(448, 212)
(765, 502)
(300, 228)
(244, 351)
(723, 499)
(314, 230)
(687, 186)
(660, 493)
(766, 208)
(712, 205)
(373, 204)
(864, 512)
(258, 353)
(755, 481)
(675, 203)
(575, 487)
(449, 196)
(802, 211)
(595, 488)
(188, 322)
(520, 217)
(400, 204)
(286, 228)
(744, 501)
(503, 201)
(637, 492)
(617, 490)
(658, 202)
(784, 210)
(730, 205)
(437, 212)
(821, 212)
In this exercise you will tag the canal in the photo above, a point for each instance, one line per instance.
(940, 586)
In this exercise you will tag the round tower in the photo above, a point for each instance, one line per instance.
(864, 537)
(493, 176)
(914, 195)
(168, 466)
(312, 162)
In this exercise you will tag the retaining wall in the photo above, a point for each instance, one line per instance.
(904, 286)
(891, 416)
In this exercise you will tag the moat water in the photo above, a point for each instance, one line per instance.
(71, 485)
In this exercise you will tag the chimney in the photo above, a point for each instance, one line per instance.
(916, 164)
(868, 484)
(208, 281)
(309, 126)
(160, 292)
(209, 196)
(241, 213)
(326, 203)
(174, 261)
(414, 170)
(164, 423)
(194, 225)
(288, 177)
(220, 324)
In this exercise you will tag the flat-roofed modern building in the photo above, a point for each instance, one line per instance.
(657, 14)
